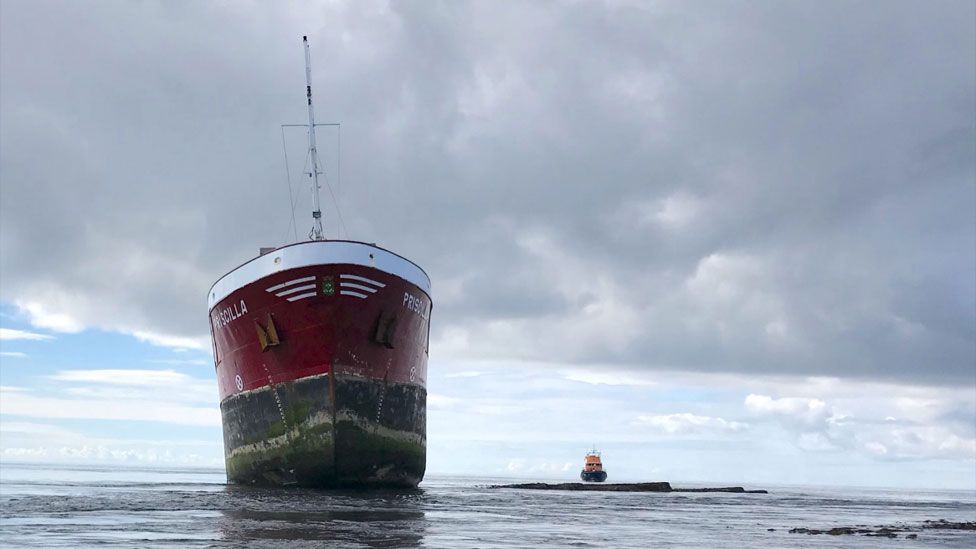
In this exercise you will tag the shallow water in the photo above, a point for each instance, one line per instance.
(72, 506)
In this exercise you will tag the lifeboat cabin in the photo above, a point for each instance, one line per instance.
(593, 468)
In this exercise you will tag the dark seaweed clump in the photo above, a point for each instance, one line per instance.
(888, 531)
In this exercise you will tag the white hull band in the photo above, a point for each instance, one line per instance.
(321, 252)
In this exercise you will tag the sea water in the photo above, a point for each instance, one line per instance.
(47, 506)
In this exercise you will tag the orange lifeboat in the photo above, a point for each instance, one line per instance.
(593, 468)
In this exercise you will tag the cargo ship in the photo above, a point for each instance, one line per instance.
(593, 468)
(320, 349)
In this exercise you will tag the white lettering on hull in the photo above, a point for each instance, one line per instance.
(225, 316)
(416, 304)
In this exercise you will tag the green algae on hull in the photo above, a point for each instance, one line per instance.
(290, 433)
(304, 457)
(395, 458)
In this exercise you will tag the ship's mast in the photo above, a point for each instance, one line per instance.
(316, 211)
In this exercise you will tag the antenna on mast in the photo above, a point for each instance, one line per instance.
(316, 233)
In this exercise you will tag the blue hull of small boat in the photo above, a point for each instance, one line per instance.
(593, 476)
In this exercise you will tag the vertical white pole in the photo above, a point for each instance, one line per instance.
(316, 211)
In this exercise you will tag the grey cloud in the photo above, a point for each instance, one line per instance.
(824, 154)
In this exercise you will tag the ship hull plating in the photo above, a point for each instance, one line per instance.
(322, 371)
(373, 435)
(593, 476)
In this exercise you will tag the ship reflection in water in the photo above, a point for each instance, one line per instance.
(334, 518)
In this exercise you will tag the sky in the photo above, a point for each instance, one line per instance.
(721, 241)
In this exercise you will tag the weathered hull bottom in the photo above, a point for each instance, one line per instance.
(353, 432)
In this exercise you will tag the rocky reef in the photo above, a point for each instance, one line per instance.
(626, 487)
(888, 531)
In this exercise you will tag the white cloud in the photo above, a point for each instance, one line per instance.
(17, 403)
(125, 377)
(955, 444)
(917, 442)
(819, 426)
(28, 453)
(732, 291)
(876, 448)
(807, 411)
(32, 441)
(49, 316)
(111, 385)
(501, 408)
(515, 465)
(687, 423)
(790, 406)
(523, 467)
(441, 402)
(603, 377)
(200, 343)
(815, 442)
(13, 354)
(42, 317)
(164, 396)
(181, 361)
(34, 429)
(148, 456)
(467, 373)
(921, 407)
(7, 334)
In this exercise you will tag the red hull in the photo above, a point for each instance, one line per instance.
(320, 332)
(337, 335)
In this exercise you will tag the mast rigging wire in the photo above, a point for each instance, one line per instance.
(341, 226)
(294, 200)
(335, 202)
(291, 200)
